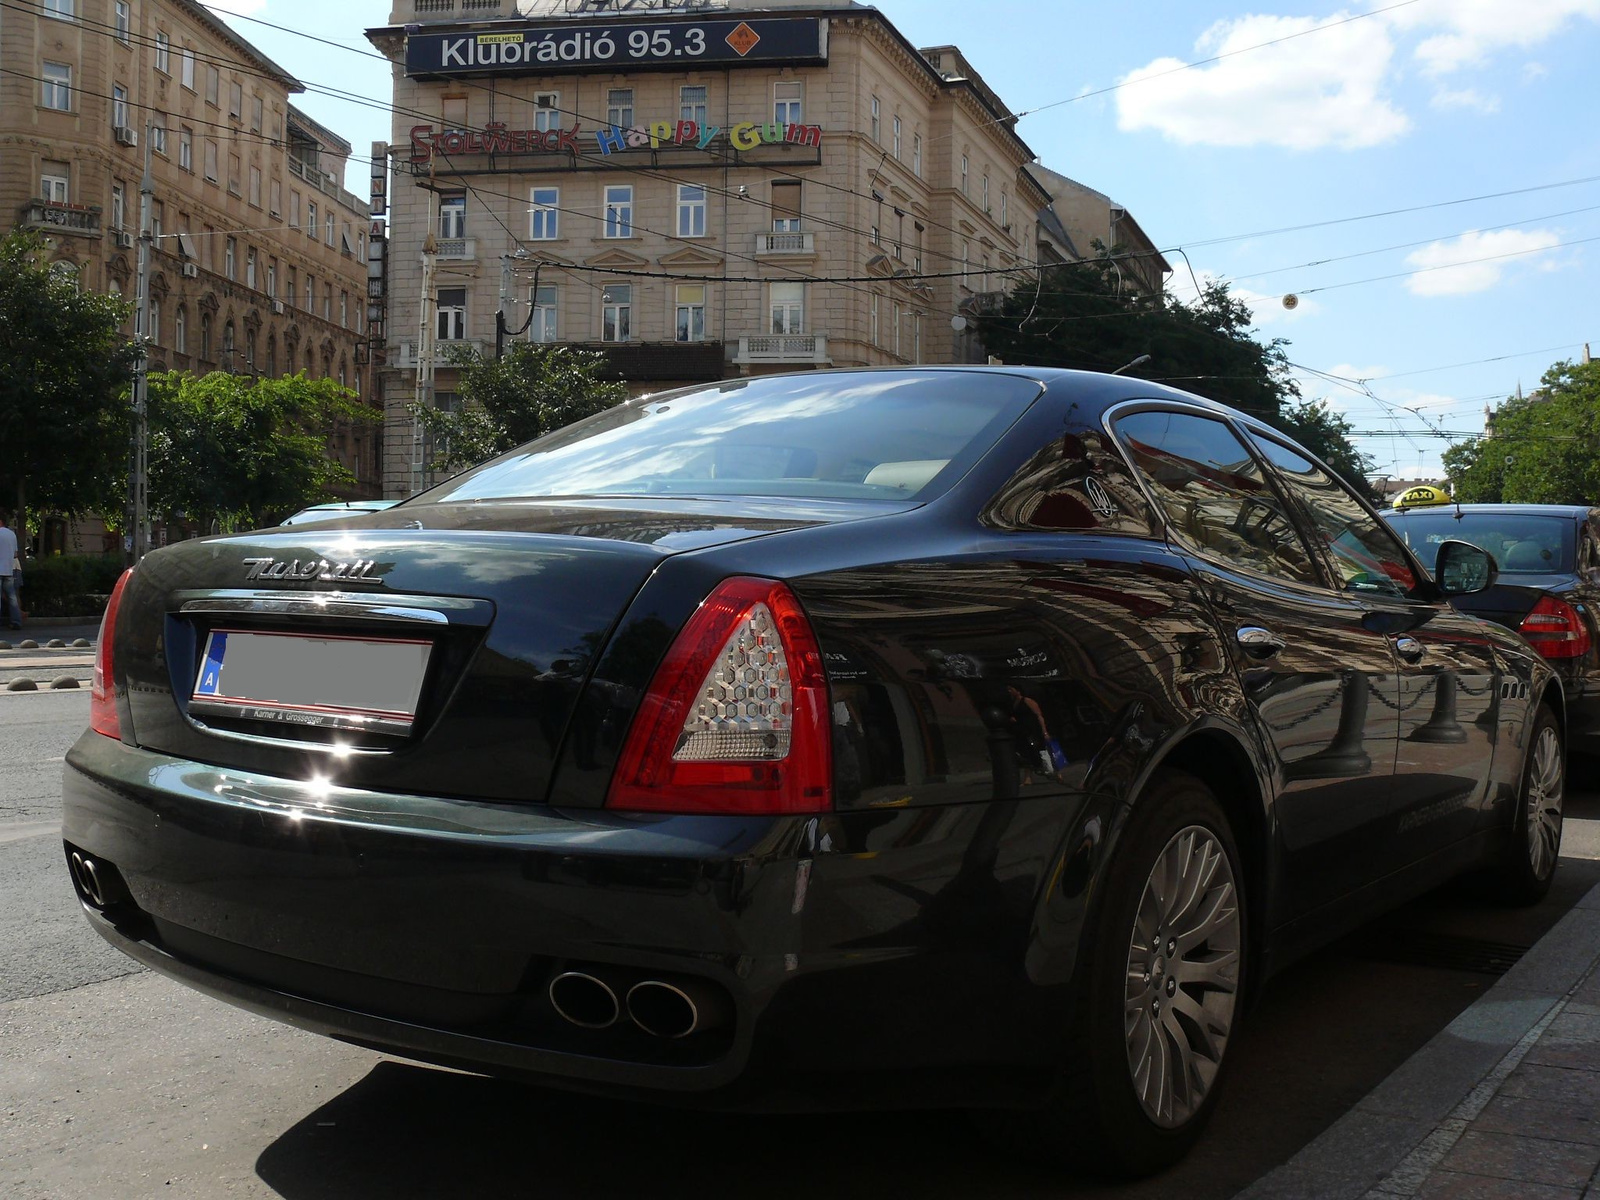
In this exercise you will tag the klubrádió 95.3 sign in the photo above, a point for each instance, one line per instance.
(552, 49)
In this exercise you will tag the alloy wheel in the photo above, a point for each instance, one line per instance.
(1183, 976)
(1545, 777)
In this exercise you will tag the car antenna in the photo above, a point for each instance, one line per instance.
(1143, 358)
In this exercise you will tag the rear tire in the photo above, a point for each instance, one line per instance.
(1534, 847)
(1160, 995)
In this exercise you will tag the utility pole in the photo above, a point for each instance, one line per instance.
(425, 343)
(500, 321)
(139, 472)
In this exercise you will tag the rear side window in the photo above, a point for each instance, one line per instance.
(883, 435)
(1365, 554)
(1214, 494)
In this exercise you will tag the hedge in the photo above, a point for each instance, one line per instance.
(68, 585)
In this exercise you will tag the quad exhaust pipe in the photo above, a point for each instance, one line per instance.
(662, 1008)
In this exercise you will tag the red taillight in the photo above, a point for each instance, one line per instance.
(736, 719)
(1555, 629)
(103, 698)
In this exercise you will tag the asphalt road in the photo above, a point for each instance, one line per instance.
(117, 1083)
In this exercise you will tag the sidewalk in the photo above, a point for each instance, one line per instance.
(1504, 1102)
(46, 667)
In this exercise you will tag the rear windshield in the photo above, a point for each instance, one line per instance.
(1522, 544)
(875, 436)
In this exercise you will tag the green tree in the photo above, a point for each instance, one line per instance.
(535, 389)
(65, 426)
(1084, 316)
(1544, 446)
(243, 453)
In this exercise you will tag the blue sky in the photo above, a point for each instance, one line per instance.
(1412, 103)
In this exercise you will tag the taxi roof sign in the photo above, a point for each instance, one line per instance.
(1422, 496)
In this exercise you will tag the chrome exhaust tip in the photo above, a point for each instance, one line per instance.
(585, 1000)
(87, 876)
(675, 1010)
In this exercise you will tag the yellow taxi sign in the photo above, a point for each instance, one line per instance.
(1422, 496)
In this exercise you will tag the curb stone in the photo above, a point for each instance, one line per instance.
(1388, 1145)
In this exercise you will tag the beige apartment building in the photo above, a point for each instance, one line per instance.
(259, 260)
(699, 190)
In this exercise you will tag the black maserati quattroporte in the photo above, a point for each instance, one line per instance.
(976, 737)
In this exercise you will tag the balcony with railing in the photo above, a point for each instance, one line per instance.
(446, 9)
(80, 220)
(792, 348)
(461, 249)
(774, 245)
(406, 360)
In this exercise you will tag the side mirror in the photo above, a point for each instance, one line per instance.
(1462, 569)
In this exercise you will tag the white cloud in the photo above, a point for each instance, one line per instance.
(1470, 31)
(1533, 71)
(1322, 90)
(1465, 98)
(1449, 271)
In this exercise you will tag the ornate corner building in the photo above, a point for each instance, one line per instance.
(700, 190)
(259, 259)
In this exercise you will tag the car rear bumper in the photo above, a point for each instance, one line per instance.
(888, 948)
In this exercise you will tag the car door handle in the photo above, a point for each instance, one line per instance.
(1258, 642)
(1409, 649)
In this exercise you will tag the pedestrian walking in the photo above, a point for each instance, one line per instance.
(10, 572)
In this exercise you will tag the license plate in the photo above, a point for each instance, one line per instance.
(312, 679)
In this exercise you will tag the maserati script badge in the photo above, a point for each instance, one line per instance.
(310, 568)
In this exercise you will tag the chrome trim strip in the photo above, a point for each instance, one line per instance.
(354, 722)
(319, 605)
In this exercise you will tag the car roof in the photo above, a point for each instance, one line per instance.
(1575, 511)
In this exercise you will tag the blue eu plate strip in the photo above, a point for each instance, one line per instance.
(211, 669)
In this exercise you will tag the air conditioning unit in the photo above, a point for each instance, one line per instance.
(124, 240)
(190, 271)
(277, 306)
(126, 136)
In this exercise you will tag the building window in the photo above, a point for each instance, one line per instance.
(900, 234)
(272, 356)
(255, 186)
(894, 336)
(544, 217)
(547, 110)
(916, 154)
(205, 337)
(60, 9)
(158, 134)
(544, 301)
(691, 322)
(250, 268)
(310, 229)
(180, 331)
(163, 53)
(154, 332)
(158, 212)
(691, 210)
(276, 207)
(229, 252)
(327, 228)
(213, 83)
(873, 309)
(1004, 219)
(452, 215)
(256, 113)
(344, 309)
(119, 106)
(616, 319)
(186, 148)
(619, 107)
(53, 182)
(229, 349)
(786, 102)
(294, 209)
(619, 211)
(187, 69)
(916, 337)
(692, 104)
(327, 302)
(55, 89)
(272, 279)
(233, 173)
(897, 139)
(788, 307)
(122, 19)
(293, 290)
(986, 192)
(877, 121)
(211, 161)
(235, 99)
(118, 206)
(786, 206)
(452, 325)
(966, 257)
(963, 174)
